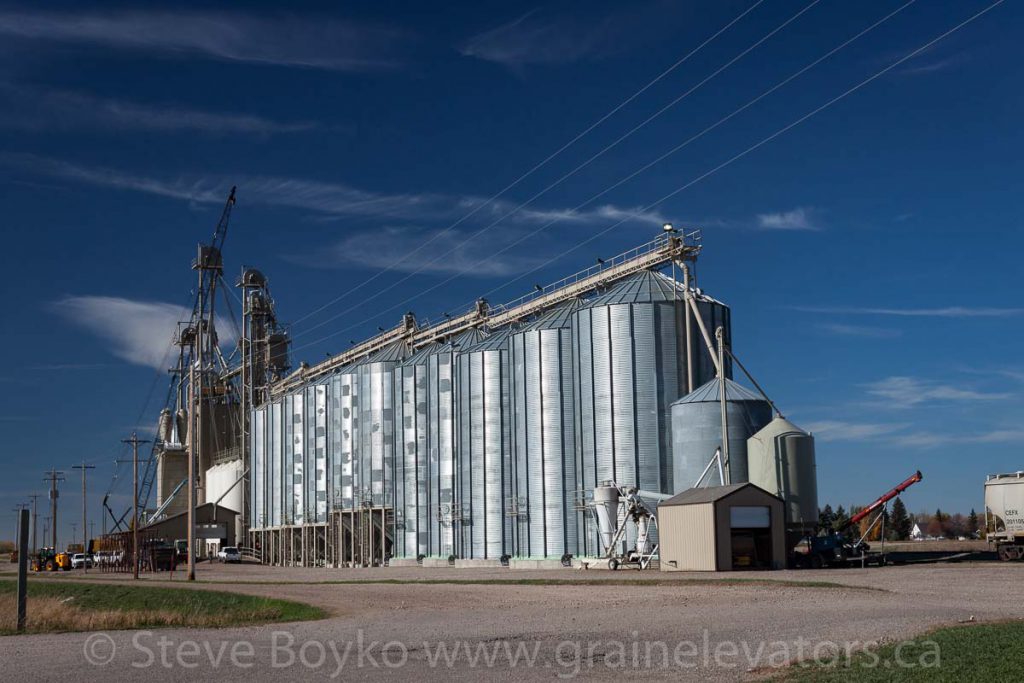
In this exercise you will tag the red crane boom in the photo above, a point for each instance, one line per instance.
(882, 500)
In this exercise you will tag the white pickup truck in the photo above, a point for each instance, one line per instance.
(1004, 514)
(229, 554)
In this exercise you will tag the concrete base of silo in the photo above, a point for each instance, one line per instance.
(476, 563)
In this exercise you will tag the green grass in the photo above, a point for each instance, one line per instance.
(974, 652)
(122, 606)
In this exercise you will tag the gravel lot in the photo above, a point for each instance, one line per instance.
(393, 631)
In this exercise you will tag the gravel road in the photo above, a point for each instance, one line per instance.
(641, 625)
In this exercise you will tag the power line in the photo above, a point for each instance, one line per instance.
(542, 163)
(771, 137)
(624, 180)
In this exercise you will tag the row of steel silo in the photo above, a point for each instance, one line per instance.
(486, 444)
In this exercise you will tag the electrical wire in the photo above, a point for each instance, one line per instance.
(622, 181)
(539, 165)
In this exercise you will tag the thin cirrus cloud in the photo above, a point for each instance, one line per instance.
(446, 251)
(841, 430)
(47, 109)
(896, 434)
(330, 199)
(940, 312)
(907, 392)
(329, 44)
(537, 38)
(799, 218)
(139, 332)
(861, 331)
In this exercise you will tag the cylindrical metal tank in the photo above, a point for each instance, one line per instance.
(425, 427)
(484, 447)
(780, 459)
(223, 485)
(165, 426)
(697, 430)
(606, 508)
(411, 430)
(544, 517)
(346, 402)
(374, 450)
(258, 476)
(172, 469)
(630, 352)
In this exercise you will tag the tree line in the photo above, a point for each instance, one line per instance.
(899, 524)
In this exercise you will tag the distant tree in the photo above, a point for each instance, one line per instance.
(901, 524)
(840, 518)
(826, 517)
(973, 524)
(956, 526)
(937, 525)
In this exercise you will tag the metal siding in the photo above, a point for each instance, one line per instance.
(276, 487)
(688, 537)
(625, 392)
(320, 462)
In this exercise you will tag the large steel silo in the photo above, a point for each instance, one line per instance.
(543, 437)
(630, 351)
(780, 459)
(347, 407)
(484, 446)
(425, 423)
(374, 449)
(411, 429)
(697, 430)
(258, 465)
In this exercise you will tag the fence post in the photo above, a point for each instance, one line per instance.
(22, 568)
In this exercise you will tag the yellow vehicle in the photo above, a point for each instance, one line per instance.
(49, 561)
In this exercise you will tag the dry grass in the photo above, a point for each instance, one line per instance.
(54, 615)
(63, 608)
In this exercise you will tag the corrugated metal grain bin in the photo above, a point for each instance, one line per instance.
(543, 437)
(630, 354)
(484, 447)
(780, 459)
(425, 424)
(697, 430)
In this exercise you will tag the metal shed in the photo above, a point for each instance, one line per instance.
(722, 528)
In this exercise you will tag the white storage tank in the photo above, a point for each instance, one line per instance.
(780, 459)
(222, 483)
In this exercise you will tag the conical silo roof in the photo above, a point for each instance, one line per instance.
(556, 318)
(646, 287)
(496, 341)
(392, 353)
(456, 343)
(711, 392)
(778, 427)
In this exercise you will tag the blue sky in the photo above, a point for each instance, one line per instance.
(869, 252)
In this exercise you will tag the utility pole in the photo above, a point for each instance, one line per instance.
(35, 522)
(193, 441)
(85, 527)
(53, 477)
(17, 520)
(135, 441)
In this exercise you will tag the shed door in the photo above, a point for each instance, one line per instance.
(751, 536)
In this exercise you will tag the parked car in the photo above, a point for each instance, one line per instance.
(79, 560)
(229, 554)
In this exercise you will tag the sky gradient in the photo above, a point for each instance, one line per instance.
(859, 200)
